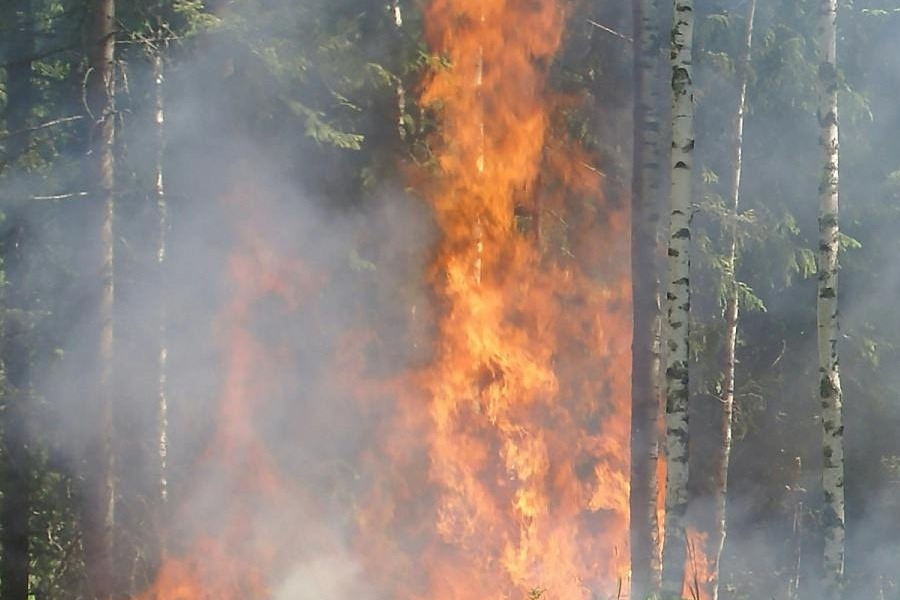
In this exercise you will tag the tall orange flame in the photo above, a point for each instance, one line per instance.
(526, 432)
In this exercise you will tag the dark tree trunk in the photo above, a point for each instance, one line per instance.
(645, 567)
(99, 494)
(16, 508)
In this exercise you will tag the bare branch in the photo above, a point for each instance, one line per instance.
(61, 196)
(52, 123)
(592, 168)
(38, 56)
(613, 32)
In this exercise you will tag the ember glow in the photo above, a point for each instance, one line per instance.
(500, 470)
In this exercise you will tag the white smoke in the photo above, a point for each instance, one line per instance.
(335, 577)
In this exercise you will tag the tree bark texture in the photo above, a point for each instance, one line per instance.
(731, 311)
(645, 389)
(678, 300)
(830, 393)
(98, 518)
(15, 510)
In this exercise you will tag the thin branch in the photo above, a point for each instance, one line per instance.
(52, 123)
(780, 354)
(592, 168)
(613, 32)
(38, 56)
(61, 196)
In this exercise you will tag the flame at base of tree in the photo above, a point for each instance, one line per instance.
(698, 568)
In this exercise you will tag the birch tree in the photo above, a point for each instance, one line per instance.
(731, 308)
(678, 299)
(397, 15)
(99, 494)
(162, 233)
(830, 393)
(645, 575)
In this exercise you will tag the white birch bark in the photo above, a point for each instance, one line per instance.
(678, 300)
(830, 393)
(645, 389)
(731, 310)
(397, 15)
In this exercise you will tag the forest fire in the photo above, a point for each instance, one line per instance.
(502, 472)
(527, 392)
(449, 300)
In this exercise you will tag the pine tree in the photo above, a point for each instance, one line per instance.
(99, 494)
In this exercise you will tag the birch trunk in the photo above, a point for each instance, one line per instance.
(645, 392)
(678, 300)
(15, 509)
(162, 366)
(830, 393)
(731, 311)
(397, 15)
(99, 495)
